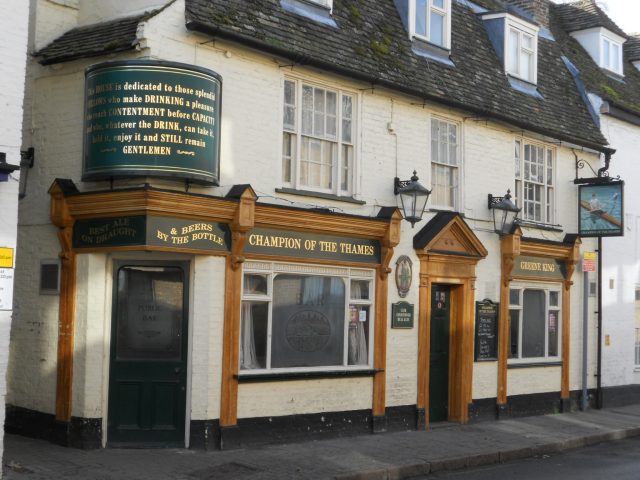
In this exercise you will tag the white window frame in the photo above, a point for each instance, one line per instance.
(458, 166)
(609, 58)
(271, 269)
(446, 24)
(546, 287)
(521, 28)
(548, 186)
(294, 181)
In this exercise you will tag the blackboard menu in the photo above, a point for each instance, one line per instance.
(486, 344)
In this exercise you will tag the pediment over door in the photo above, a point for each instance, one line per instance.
(447, 233)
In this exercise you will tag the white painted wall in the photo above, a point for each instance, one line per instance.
(621, 257)
(13, 51)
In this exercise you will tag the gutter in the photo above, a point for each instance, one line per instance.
(302, 59)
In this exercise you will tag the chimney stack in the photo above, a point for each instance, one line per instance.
(538, 9)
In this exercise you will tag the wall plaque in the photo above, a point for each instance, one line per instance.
(404, 275)
(310, 245)
(152, 118)
(174, 233)
(402, 315)
(486, 338)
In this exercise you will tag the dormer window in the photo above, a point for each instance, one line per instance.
(328, 4)
(611, 55)
(521, 47)
(516, 43)
(430, 20)
(603, 46)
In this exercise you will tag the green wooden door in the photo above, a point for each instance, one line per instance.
(439, 360)
(148, 370)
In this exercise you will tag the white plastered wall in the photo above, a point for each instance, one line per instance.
(621, 260)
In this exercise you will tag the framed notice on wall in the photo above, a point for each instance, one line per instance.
(486, 338)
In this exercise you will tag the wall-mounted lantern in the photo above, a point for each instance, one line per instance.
(505, 213)
(413, 198)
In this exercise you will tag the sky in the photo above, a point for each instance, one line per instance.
(626, 13)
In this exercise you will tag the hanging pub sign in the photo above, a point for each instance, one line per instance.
(601, 210)
(311, 245)
(486, 340)
(152, 118)
(143, 230)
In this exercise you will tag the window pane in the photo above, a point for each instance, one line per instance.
(347, 124)
(553, 299)
(288, 155)
(421, 17)
(253, 335)
(289, 105)
(347, 167)
(526, 66)
(308, 321)
(514, 297)
(358, 336)
(513, 51)
(527, 41)
(615, 57)
(255, 284)
(514, 330)
(307, 109)
(554, 315)
(516, 156)
(150, 313)
(360, 290)
(606, 58)
(533, 324)
(437, 29)
(438, 3)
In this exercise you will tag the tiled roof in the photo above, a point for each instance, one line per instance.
(622, 92)
(632, 47)
(94, 40)
(585, 14)
(371, 44)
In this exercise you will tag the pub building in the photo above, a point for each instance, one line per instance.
(221, 247)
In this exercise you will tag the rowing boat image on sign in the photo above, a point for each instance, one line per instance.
(601, 210)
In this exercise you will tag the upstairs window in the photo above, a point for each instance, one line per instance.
(318, 145)
(445, 164)
(535, 181)
(611, 52)
(521, 52)
(430, 20)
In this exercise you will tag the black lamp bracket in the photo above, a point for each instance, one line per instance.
(27, 157)
(398, 184)
(491, 200)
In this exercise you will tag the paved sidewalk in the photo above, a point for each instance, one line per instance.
(390, 456)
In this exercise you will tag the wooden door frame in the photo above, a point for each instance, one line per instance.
(448, 251)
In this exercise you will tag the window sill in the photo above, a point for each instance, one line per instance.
(326, 196)
(533, 365)
(431, 51)
(540, 226)
(280, 376)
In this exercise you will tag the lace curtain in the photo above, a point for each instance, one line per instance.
(357, 339)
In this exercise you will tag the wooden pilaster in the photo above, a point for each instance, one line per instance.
(390, 240)
(509, 250)
(243, 221)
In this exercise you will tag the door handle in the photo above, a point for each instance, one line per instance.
(176, 370)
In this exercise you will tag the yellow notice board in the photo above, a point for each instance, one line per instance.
(6, 257)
